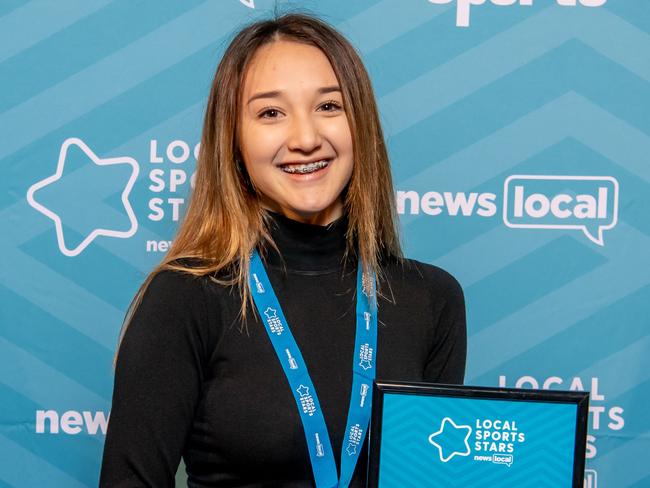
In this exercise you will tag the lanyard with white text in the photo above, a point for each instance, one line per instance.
(293, 364)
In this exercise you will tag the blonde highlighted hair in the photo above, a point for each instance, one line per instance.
(224, 221)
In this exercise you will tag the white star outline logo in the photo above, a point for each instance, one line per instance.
(271, 313)
(441, 430)
(303, 390)
(59, 173)
(364, 351)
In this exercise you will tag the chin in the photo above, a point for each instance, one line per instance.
(307, 206)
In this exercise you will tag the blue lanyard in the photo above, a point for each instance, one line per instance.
(295, 369)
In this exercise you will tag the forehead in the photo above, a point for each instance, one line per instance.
(286, 65)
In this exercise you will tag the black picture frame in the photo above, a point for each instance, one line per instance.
(579, 398)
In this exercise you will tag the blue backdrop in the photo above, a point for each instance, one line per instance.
(519, 136)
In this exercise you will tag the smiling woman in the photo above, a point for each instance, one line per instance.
(296, 141)
(290, 233)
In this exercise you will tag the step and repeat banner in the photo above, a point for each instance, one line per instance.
(519, 134)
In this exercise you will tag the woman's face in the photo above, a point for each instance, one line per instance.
(294, 135)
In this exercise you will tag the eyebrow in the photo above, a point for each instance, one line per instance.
(277, 93)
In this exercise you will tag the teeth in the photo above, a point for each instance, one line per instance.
(305, 168)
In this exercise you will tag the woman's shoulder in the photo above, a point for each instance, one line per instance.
(189, 288)
(177, 304)
(420, 274)
(183, 286)
(181, 277)
(188, 273)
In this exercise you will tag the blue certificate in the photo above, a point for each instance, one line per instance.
(477, 437)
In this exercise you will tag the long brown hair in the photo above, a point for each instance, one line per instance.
(224, 220)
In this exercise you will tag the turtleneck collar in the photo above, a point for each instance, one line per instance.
(306, 247)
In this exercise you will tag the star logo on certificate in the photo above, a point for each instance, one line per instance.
(451, 440)
(303, 390)
(82, 206)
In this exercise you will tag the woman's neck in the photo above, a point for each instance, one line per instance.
(306, 247)
(322, 217)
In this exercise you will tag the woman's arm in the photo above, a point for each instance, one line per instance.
(446, 363)
(158, 377)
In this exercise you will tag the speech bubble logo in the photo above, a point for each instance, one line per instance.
(587, 203)
(506, 459)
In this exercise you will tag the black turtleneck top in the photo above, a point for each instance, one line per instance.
(191, 382)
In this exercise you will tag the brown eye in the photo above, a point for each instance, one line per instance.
(272, 112)
(335, 106)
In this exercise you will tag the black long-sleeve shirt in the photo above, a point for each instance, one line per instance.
(189, 382)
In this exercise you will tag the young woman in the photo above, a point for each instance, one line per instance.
(250, 350)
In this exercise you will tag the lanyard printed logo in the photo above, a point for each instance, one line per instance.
(273, 321)
(306, 400)
(365, 357)
(295, 369)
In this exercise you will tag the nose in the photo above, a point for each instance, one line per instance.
(304, 135)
